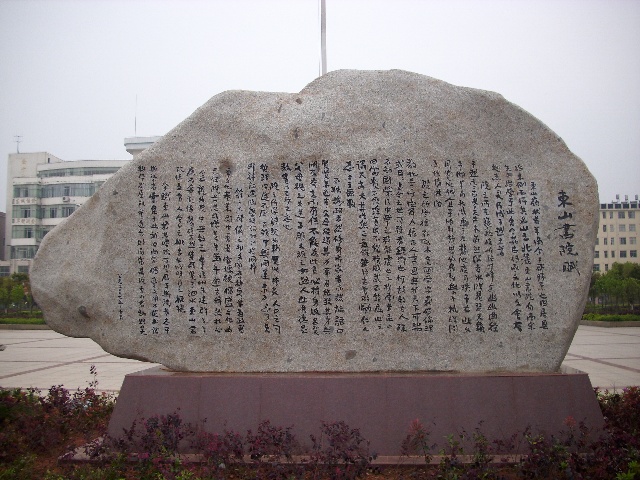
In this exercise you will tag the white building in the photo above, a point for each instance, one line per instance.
(135, 145)
(42, 190)
(617, 234)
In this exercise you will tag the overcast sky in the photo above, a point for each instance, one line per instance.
(70, 71)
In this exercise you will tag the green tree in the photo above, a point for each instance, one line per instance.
(21, 278)
(620, 285)
(593, 290)
(609, 288)
(17, 296)
(631, 288)
(631, 270)
(5, 289)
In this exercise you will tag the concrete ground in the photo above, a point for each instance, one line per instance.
(42, 358)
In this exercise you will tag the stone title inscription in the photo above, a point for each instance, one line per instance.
(316, 248)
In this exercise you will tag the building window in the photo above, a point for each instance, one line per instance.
(620, 214)
(632, 227)
(606, 254)
(622, 228)
(25, 191)
(596, 267)
(597, 240)
(30, 211)
(77, 172)
(604, 215)
(42, 231)
(633, 253)
(5, 271)
(604, 228)
(623, 254)
(22, 231)
(596, 254)
(611, 228)
(606, 241)
(25, 213)
(610, 214)
(623, 240)
(632, 214)
(23, 252)
(632, 240)
(613, 241)
(70, 190)
(613, 254)
(606, 267)
(53, 212)
(66, 211)
(23, 268)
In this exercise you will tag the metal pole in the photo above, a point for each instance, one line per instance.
(323, 36)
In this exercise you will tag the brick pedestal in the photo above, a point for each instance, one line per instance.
(381, 405)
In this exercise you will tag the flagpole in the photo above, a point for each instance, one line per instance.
(323, 36)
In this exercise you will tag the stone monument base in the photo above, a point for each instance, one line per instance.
(381, 405)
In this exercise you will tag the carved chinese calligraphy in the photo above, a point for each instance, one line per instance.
(375, 221)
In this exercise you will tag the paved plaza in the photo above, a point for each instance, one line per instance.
(42, 358)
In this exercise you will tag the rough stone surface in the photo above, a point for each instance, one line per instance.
(375, 221)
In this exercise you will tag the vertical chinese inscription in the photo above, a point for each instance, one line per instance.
(165, 245)
(192, 287)
(302, 263)
(452, 261)
(463, 248)
(424, 242)
(202, 247)
(538, 254)
(153, 270)
(325, 251)
(215, 253)
(376, 245)
(337, 211)
(120, 299)
(567, 233)
(477, 274)
(313, 236)
(236, 252)
(179, 244)
(269, 250)
(364, 307)
(141, 276)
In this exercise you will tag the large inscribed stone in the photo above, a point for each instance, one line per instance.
(375, 221)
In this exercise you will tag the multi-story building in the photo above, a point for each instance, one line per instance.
(43, 190)
(3, 217)
(617, 234)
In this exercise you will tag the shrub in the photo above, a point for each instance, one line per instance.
(340, 452)
(596, 317)
(219, 451)
(45, 425)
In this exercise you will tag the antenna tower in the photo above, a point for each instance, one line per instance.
(18, 140)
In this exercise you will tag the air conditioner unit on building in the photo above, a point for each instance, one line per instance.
(66, 199)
